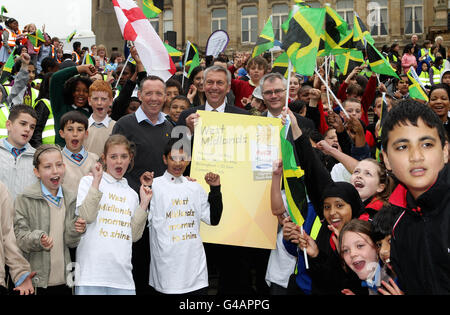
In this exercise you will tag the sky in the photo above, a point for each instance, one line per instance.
(61, 17)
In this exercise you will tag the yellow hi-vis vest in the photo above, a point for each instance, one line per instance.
(48, 134)
(4, 114)
(27, 100)
(436, 75)
(424, 77)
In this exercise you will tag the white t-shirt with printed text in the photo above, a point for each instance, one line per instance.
(178, 260)
(104, 251)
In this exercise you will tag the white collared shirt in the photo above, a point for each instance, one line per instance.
(220, 109)
(141, 116)
(269, 114)
(105, 121)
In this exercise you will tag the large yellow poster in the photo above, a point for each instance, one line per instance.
(241, 149)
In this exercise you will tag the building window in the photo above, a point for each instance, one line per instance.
(377, 20)
(345, 9)
(280, 14)
(219, 20)
(249, 23)
(314, 4)
(413, 16)
(167, 21)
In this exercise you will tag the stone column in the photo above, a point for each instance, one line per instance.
(234, 25)
(178, 23)
(191, 21)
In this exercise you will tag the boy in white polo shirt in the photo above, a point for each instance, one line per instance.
(178, 260)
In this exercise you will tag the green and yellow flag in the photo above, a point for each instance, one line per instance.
(265, 40)
(378, 63)
(3, 10)
(416, 89)
(152, 8)
(298, 4)
(281, 65)
(293, 180)
(89, 60)
(192, 58)
(361, 35)
(36, 37)
(349, 61)
(303, 38)
(172, 51)
(338, 35)
(71, 36)
(7, 67)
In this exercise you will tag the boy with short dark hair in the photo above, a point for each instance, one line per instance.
(78, 161)
(178, 260)
(16, 154)
(416, 151)
(100, 124)
(177, 105)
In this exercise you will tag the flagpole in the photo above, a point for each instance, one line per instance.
(123, 69)
(305, 255)
(288, 82)
(332, 94)
(184, 71)
(326, 78)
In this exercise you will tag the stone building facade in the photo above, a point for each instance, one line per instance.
(195, 20)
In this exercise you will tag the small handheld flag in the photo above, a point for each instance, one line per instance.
(152, 8)
(266, 39)
(71, 36)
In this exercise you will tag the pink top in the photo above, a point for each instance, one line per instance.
(408, 60)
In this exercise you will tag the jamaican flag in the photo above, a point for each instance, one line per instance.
(293, 180)
(298, 4)
(3, 10)
(172, 51)
(71, 36)
(265, 40)
(416, 89)
(152, 8)
(338, 35)
(36, 37)
(349, 61)
(281, 65)
(192, 57)
(361, 35)
(7, 67)
(88, 59)
(303, 38)
(378, 63)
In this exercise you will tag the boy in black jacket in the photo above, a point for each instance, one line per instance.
(416, 150)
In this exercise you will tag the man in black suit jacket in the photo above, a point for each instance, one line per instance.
(217, 84)
(273, 89)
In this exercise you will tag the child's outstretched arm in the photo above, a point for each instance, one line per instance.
(276, 199)
(140, 215)
(214, 197)
(89, 196)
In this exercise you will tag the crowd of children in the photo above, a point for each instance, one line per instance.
(376, 178)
